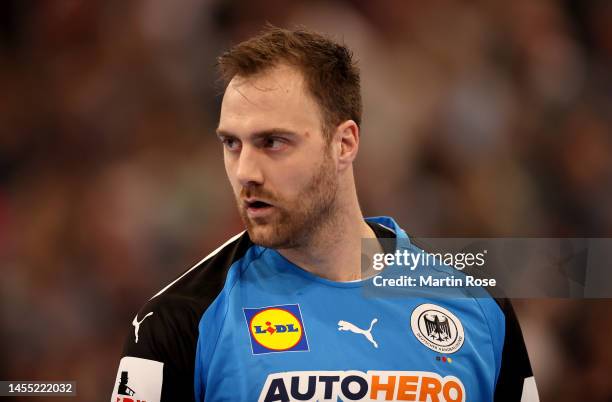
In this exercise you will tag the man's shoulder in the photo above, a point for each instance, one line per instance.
(191, 292)
(208, 275)
(181, 303)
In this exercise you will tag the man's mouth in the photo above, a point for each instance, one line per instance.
(257, 204)
(257, 208)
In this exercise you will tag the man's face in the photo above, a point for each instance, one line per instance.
(276, 158)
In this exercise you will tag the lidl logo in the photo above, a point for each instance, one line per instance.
(276, 329)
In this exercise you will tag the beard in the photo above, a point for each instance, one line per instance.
(294, 222)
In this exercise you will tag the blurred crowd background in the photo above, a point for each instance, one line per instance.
(481, 118)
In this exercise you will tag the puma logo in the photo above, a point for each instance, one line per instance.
(347, 326)
(137, 323)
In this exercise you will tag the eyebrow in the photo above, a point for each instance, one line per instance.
(260, 134)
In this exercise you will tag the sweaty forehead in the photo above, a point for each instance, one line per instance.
(276, 97)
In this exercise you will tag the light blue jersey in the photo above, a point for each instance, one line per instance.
(246, 324)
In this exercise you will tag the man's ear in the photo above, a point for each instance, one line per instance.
(347, 135)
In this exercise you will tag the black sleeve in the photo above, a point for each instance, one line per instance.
(515, 382)
(167, 333)
(159, 366)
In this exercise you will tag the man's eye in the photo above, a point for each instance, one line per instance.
(273, 144)
(231, 144)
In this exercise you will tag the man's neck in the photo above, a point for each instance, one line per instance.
(334, 251)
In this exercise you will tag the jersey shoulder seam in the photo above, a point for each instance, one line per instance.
(199, 264)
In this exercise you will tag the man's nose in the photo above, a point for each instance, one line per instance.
(249, 170)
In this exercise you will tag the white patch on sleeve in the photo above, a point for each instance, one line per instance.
(530, 390)
(138, 379)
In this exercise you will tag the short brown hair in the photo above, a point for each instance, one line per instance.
(330, 72)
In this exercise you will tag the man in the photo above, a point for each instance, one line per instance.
(277, 313)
